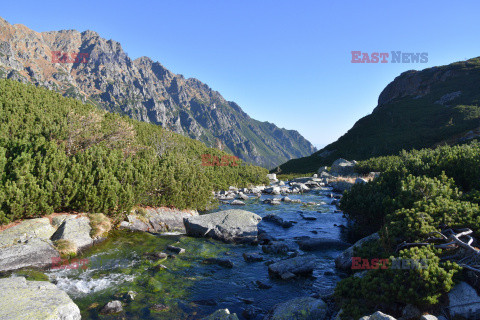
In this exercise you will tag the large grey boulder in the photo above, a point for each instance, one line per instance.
(158, 220)
(34, 252)
(229, 225)
(293, 266)
(32, 228)
(341, 186)
(304, 308)
(76, 230)
(463, 301)
(378, 316)
(39, 300)
(222, 314)
(342, 167)
(344, 259)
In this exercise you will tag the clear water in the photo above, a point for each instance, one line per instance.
(191, 289)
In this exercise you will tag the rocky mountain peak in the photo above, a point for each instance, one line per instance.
(143, 89)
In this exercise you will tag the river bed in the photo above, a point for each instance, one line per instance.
(190, 289)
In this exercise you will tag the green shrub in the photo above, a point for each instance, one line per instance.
(57, 154)
(384, 288)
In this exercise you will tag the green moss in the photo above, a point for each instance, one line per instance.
(33, 275)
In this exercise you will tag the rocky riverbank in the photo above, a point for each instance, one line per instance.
(38, 243)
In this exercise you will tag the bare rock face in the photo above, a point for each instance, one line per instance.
(76, 230)
(142, 89)
(342, 167)
(32, 228)
(158, 220)
(463, 301)
(40, 300)
(229, 225)
(35, 252)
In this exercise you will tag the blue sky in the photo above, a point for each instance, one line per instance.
(286, 62)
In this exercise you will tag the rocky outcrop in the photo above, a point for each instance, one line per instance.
(238, 226)
(305, 308)
(344, 260)
(39, 300)
(76, 230)
(342, 167)
(33, 228)
(34, 252)
(158, 220)
(142, 89)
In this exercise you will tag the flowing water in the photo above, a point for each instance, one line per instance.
(189, 289)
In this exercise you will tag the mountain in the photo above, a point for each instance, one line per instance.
(145, 90)
(419, 109)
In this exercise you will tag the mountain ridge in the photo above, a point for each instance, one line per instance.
(418, 109)
(144, 90)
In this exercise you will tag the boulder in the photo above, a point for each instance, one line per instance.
(378, 316)
(58, 220)
(304, 308)
(321, 244)
(112, 307)
(279, 247)
(237, 203)
(252, 257)
(242, 196)
(22, 299)
(341, 186)
(297, 266)
(229, 226)
(344, 260)
(76, 230)
(158, 220)
(36, 252)
(274, 201)
(278, 220)
(222, 314)
(222, 262)
(463, 301)
(273, 190)
(342, 167)
(32, 228)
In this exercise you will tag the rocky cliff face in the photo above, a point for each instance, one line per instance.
(85, 66)
(418, 109)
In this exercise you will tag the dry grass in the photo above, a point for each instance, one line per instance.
(368, 178)
(66, 248)
(100, 224)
